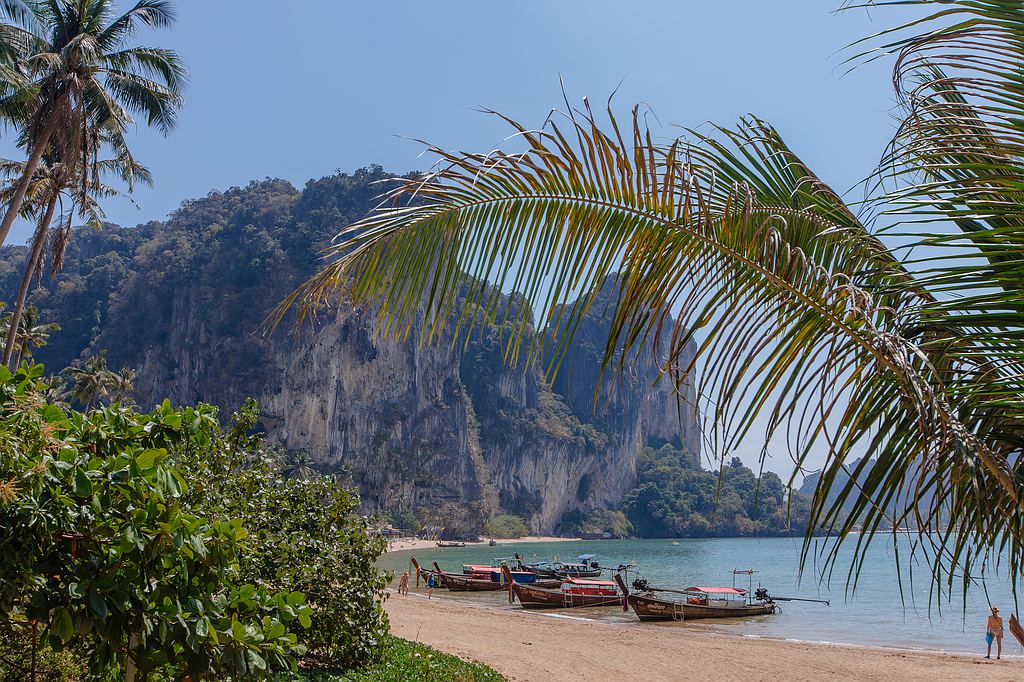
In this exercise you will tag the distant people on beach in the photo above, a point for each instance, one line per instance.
(994, 630)
(403, 583)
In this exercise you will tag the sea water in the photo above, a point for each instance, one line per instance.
(880, 611)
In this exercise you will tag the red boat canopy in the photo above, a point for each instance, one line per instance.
(716, 590)
(602, 583)
(477, 568)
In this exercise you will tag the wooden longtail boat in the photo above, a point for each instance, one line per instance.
(697, 602)
(573, 593)
(444, 545)
(426, 573)
(467, 583)
(583, 567)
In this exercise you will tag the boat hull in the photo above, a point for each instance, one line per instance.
(648, 607)
(531, 597)
(464, 583)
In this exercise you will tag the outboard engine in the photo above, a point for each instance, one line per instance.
(641, 584)
(761, 594)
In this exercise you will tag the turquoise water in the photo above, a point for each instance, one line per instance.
(873, 615)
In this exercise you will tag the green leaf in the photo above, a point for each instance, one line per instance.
(202, 628)
(296, 598)
(62, 625)
(304, 620)
(82, 484)
(98, 605)
(148, 458)
(254, 660)
(51, 413)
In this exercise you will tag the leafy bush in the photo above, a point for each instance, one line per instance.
(304, 534)
(507, 526)
(158, 542)
(98, 551)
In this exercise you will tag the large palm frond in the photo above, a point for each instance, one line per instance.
(799, 309)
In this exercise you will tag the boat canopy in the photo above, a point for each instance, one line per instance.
(716, 590)
(577, 581)
(585, 557)
(477, 568)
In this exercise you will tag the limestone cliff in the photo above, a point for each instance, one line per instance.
(447, 430)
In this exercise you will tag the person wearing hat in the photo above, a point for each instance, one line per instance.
(995, 631)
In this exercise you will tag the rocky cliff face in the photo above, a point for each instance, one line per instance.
(447, 430)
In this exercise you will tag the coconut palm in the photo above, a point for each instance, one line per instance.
(92, 381)
(818, 315)
(31, 333)
(122, 385)
(57, 183)
(298, 464)
(80, 77)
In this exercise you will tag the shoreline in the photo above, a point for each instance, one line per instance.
(527, 645)
(405, 544)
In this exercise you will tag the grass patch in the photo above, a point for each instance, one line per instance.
(405, 661)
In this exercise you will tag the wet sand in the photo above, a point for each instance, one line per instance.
(531, 647)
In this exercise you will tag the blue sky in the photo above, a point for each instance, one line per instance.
(302, 89)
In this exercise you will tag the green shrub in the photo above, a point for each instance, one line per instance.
(507, 526)
(304, 534)
(158, 541)
(99, 554)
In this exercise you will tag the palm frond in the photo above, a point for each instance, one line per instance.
(798, 309)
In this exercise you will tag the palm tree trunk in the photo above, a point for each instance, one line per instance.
(26, 279)
(30, 168)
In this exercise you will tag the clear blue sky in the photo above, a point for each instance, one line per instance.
(301, 89)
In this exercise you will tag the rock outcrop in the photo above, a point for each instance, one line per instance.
(448, 431)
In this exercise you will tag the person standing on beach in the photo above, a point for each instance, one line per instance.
(403, 584)
(994, 631)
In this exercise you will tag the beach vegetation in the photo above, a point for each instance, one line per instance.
(158, 543)
(889, 330)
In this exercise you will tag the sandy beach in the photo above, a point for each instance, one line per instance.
(531, 647)
(413, 543)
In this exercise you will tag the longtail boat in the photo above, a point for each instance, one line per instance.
(426, 573)
(695, 602)
(443, 545)
(468, 583)
(583, 567)
(572, 593)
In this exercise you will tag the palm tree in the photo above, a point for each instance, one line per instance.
(53, 183)
(92, 381)
(838, 331)
(122, 385)
(31, 333)
(298, 464)
(78, 77)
